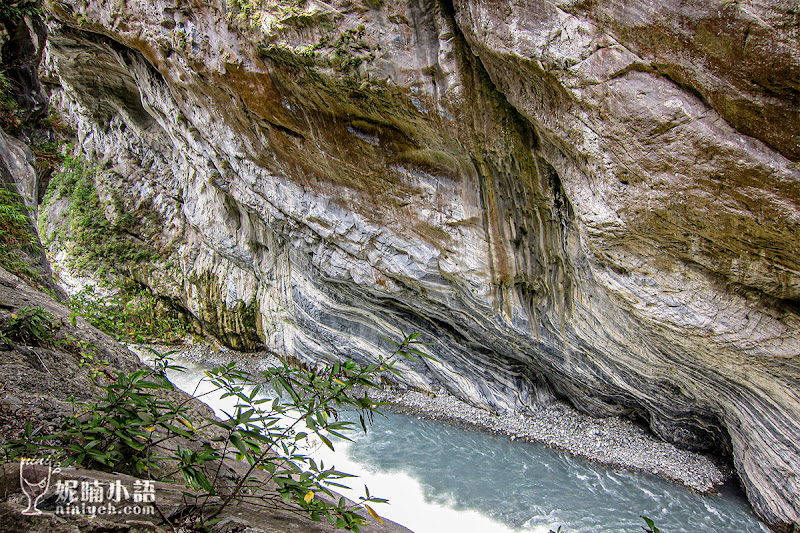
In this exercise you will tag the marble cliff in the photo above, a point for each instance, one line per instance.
(596, 200)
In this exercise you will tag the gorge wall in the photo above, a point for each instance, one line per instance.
(597, 200)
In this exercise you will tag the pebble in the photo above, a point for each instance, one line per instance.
(612, 441)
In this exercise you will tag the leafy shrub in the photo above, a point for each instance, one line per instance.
(14, 231)
(135, 425)
(134, 313)
(16, 9)
(32, 326)
(98, 246)
(16, 238)
(651, 527)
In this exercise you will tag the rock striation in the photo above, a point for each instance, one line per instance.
(590, 200)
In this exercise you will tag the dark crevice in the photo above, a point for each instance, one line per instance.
(449, 9)
(20, 64)
(286, 131)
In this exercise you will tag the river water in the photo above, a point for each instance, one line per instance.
(443, 477)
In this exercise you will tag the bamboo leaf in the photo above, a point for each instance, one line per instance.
(186, 423)
(327, 442)
(373, 514)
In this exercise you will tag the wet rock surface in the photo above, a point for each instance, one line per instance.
(576, 200)
(610, 441)
(38, 383)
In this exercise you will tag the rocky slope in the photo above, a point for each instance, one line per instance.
(596, 200)
(50, 357)
(38, 381)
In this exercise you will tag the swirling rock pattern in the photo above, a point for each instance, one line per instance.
(596, 200)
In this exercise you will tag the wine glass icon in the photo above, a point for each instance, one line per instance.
(34, 479)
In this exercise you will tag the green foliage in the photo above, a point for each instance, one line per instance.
(16, 9)
(87, 352)
(99, 246)
(17, 264)
(135, 425)
(109, 251)
(17, 242)
(111, 431)
(31, 326)
(13, 118)
(651, 527)
(49, 155)
(256, 12)
(409, 348)
(30, 444)
(134, 313)
(270, 433)
(9, 109)
(350, 50)
(14, 221)
(304, 57)
(245, 10)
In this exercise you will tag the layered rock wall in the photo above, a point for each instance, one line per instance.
(589, 199)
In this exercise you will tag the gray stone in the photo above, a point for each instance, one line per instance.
(573, 199)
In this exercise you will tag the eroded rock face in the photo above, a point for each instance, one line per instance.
(21, 45)
(577, 198)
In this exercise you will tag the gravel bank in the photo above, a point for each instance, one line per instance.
(611, 441)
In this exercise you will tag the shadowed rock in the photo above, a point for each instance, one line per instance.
(579, 199)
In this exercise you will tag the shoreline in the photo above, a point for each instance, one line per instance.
(613, 442)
